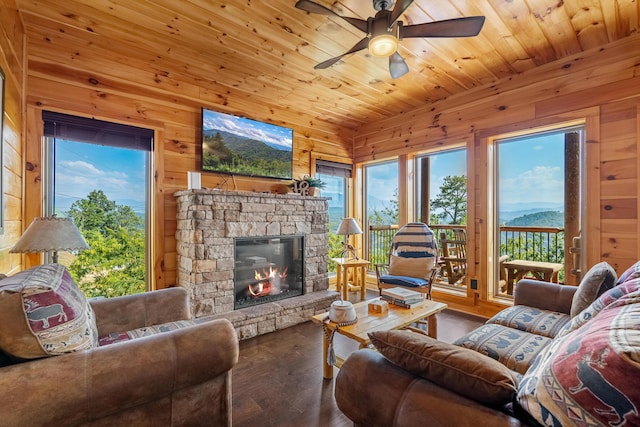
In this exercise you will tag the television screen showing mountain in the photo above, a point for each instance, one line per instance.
(241, 146)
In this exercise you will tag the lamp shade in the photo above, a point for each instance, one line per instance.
(348, 226)
(50, 234)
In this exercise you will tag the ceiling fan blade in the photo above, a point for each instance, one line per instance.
(362, 44)
(312, 7)
(458, 27)
(401, 6)
(397, 66)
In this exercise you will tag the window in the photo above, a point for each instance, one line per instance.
(381, 207)
(98, 173)
(441, 202)
(336, 177)
(537, 206)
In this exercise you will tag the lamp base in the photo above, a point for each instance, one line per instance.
(347, 251)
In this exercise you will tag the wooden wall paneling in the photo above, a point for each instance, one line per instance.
(477, 166)
(619, 182)
(617, 251)
(637, 138)
(157, 250)
(12, 63)
(591, 222)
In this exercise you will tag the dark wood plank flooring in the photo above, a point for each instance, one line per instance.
(278, 379)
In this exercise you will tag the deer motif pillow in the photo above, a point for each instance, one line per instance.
(44, 313)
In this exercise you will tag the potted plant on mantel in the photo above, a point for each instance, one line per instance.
(306, 185)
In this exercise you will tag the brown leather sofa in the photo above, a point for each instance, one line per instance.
(176, 378)
(372, 391)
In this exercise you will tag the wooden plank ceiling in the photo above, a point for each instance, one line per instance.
(264, 51)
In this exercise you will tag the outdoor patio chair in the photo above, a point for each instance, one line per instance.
(412, 260)
(454, 255)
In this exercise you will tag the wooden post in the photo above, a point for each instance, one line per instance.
(424, 190)
(571, 203)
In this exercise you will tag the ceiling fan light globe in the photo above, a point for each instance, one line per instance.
(383, 45)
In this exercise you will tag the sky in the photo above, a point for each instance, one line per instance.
(81, 168)
(271, 134)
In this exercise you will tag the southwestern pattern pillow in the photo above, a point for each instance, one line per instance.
(513, 348)
(587, 378)
(604, 300)
(44, 313)
(146, 331)
(530, 319)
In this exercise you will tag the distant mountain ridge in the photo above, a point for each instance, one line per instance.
(249, 147)
(538, 219)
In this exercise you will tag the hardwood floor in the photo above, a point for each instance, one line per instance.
(278, 379)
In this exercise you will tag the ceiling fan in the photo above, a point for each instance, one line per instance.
(383, 31)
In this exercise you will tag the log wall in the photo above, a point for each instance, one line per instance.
(600, 89)
(12, 60)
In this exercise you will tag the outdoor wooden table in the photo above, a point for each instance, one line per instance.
(359, 271)
(519, 268)
(396, 318)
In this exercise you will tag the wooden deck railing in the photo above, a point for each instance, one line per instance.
(525, 243)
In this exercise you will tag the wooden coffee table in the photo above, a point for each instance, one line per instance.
(396, 318)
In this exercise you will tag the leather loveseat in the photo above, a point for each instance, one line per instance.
(146, 363)
(562, 355)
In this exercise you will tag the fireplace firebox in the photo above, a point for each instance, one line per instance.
(267, 269)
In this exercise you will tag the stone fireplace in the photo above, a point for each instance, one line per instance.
(211, 224)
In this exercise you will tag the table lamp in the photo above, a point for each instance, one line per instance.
(347, 227)
(46, 234)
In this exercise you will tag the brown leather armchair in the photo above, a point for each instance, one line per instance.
(176, 378)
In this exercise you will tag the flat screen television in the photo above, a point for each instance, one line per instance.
(241, 146)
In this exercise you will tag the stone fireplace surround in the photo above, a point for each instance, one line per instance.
(207, 223)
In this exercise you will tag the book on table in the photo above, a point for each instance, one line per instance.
(403, 295)
(401, 303)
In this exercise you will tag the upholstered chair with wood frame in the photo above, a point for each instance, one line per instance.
(413, 260)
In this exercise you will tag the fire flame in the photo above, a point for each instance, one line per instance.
(268, 282)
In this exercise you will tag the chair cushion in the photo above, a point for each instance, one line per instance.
(412, 267)
(412, 282)
(463, 371)
(530, 319)
(586, 377)
(600, 278)
(44, 313)
(513, 348)
(146, 331)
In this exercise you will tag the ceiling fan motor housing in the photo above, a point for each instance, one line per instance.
(382, 4)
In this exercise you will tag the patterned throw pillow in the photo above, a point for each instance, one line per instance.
(146, 331)
(587, 377)
(44, 313)
(600, 278)
(608, 298)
